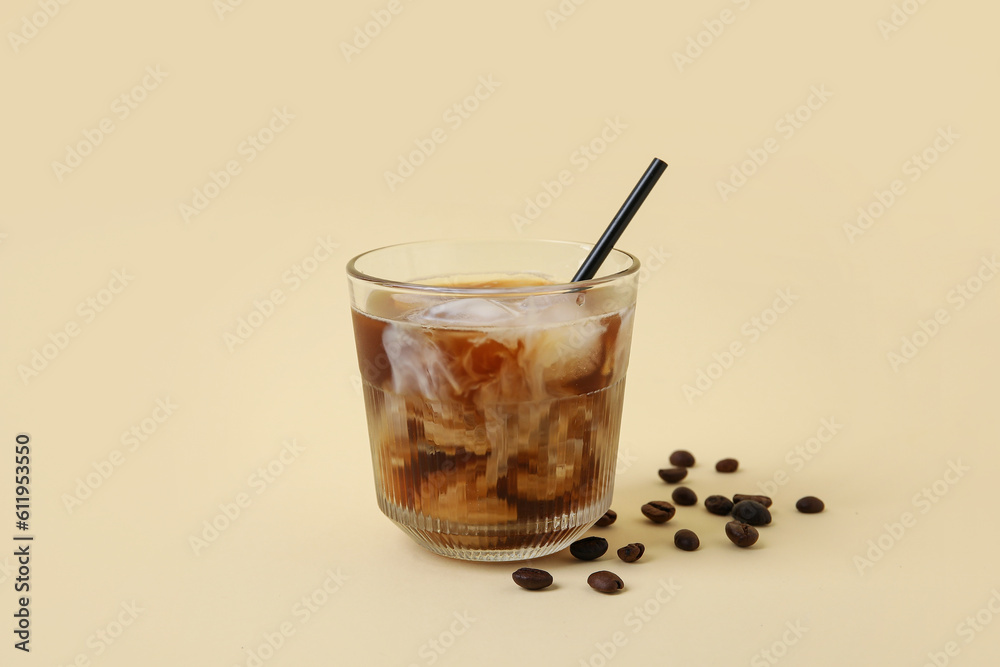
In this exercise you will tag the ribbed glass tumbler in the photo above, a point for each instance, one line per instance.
(493, 390)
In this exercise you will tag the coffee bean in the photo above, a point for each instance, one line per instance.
(659, 511)
(741, 534)
(682, 458)
(810, 505)
(605, 582)
(609, 518)
(686, 540)
(589, 548)
(763, 500)
(532, 579)
(751, 512)
(719, 505)
(682, 495)
(630, 553)
(727, 465)
(673, 475)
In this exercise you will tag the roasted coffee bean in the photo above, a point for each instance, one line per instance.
(682, 458)
(659, 511)
(751, 512)
(719, 505)
(630, 553)
(763, 500)
(609, 518)
(741, 534)
(589, 548)
(686, 540)
(727, 465)
(810, 505)
(673, 475)
(605, 582)
(682, 495)
(532, 579)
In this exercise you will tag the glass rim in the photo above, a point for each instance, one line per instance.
(554, 288)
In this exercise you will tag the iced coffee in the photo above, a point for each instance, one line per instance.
(494, 403)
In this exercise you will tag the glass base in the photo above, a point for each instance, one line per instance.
(495, 544)
(467, 547)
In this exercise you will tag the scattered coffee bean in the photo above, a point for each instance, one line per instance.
(589, 548)
(719, 505)
(532, 579)
(608, 519)
(682, 458)
(763, 500)
(682, 495)
(810, 505)
(605, 582)
(751, 512)
(686, 540)
(741, 534)
(659, 511)
(673, 475)
(630, 553)
(727, 465)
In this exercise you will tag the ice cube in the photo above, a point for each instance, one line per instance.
(418, 365)
(570, 357)
(466, 311)
(548, 309)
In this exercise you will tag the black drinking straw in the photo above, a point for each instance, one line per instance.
(624, 216)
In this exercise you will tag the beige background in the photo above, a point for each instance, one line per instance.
(556, 85)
